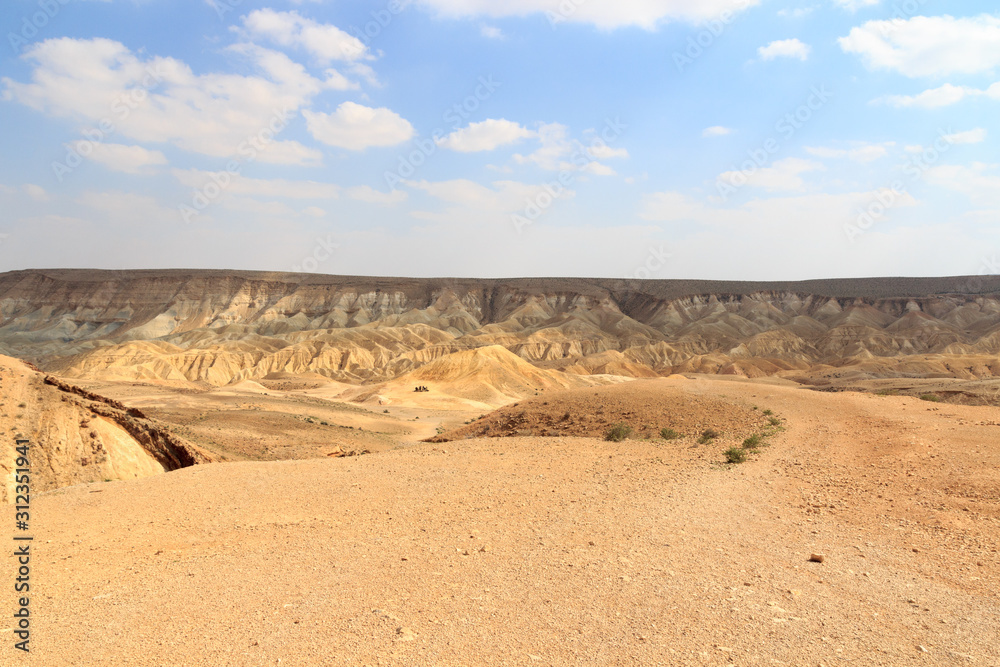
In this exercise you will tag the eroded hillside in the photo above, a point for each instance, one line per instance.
(78, 437)
(220, 327)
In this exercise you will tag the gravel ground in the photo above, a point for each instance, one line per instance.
(545, 551)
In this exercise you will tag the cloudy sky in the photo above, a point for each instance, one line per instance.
(733, 139)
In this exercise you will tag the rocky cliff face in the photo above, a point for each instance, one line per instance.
(219, 327)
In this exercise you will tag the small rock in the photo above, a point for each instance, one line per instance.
(405, 634)
(817, 558)
(923, 649)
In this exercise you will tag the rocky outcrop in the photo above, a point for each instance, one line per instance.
(76, 436)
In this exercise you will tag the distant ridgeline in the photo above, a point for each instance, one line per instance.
(219, 327)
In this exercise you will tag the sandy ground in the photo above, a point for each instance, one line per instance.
(240, 423)
(546, 551)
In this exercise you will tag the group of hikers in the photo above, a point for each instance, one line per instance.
(421, 388)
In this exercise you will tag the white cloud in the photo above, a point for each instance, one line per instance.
(716, 131)
(785, 48)
(976, 136)
(258, 187)
(118, 157)
(491, 32)
(822, 211)
(324, 42)
(485, 136)
(36, 192)
(797, 13)
(558, 152)
(855, 5)
(979, 181)
(357, 127)
(784, 175)
(646, 14)
(860, 153)
(928, 45)
(671, 207)
(942, 96)
(368, 194)
(602, 151)
(121, 207)
(469, 200)
(160, 100)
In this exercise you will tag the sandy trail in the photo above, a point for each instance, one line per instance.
(547, 551)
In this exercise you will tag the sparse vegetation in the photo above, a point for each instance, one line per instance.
(768, 412)
(887, 392)
(707, 436)
(618, 432)
(930, 397)
(774, 421)
(669, 434)
(735, 455)
(754, 441)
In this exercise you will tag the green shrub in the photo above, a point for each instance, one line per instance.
(669, 434)
(736, 455)
(930, 397)
(887, 392)
(707, 436)
(754, 441)
(774, 421)
(618, 432)
(768, 412)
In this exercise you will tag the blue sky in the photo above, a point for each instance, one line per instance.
(732, 139)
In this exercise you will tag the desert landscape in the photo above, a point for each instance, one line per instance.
(239, 468)
(458, 333)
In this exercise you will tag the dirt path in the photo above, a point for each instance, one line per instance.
(548, 551)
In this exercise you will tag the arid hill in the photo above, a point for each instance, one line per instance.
(221, 327)
(76, 436)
